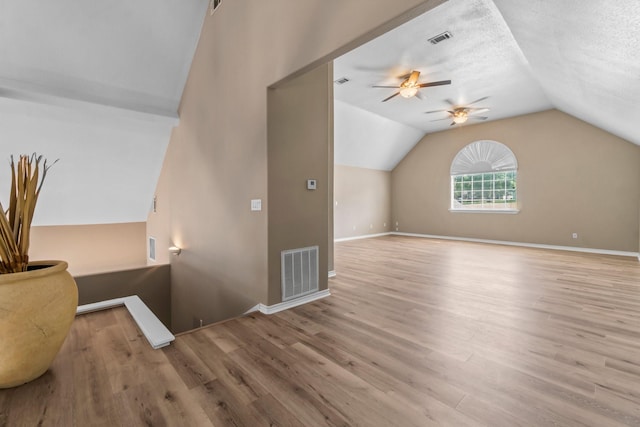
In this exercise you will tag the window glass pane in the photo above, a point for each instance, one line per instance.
(484, 191)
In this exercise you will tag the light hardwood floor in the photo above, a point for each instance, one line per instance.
(417, 333)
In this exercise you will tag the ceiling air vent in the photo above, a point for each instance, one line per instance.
(341, 81)
(441, 37)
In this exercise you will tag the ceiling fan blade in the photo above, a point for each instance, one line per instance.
(419, 96)
(476, 110)
(440, 83)
(413, 78)
(388, 98)
(450, 102)
(452, 124)
(478, 100)
(437, 111)
(439, 120)
(390, 87)
(479, 117)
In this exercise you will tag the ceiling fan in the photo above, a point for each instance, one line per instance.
(460, 114)
(409, 87)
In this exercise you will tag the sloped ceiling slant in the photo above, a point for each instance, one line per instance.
(97, 85)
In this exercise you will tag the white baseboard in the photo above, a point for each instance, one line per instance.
(332, 273)
(271, 309)
(526, 245)
(154, 331)
(364, 236)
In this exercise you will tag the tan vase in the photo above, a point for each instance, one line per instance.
(36, 311)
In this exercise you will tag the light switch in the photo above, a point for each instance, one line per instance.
(256, 204)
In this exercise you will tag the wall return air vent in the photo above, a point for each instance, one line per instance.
(299, 272)
(440, 37)
(341, 81)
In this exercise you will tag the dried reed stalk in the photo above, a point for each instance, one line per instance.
(15, 224)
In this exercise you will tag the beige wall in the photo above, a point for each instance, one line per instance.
(91, 248)
(299, 151)
(159, 221)
(218, 153)
(151, 284)
(572, 177)
(362, 201)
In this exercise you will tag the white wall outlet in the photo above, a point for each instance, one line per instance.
(311, 184)
(256, 204)
(574, 235)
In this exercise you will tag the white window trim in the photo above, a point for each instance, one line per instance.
(483, 157)
(486, 211)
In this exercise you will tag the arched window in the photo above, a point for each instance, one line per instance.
(483, 178)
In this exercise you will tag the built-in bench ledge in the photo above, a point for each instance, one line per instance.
(156, 333)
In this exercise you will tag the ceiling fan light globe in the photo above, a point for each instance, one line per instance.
(459, 117)
(408, 92)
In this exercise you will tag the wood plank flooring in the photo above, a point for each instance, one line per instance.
(417, 332)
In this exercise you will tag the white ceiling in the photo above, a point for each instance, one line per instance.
(97, 85)
(372, 141)
(524, 55)
(586, 56)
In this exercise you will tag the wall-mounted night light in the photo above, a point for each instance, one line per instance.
(174, 250)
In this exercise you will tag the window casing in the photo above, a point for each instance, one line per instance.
(484, 178)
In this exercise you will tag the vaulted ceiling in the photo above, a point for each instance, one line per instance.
(517, 56)
(98, 85)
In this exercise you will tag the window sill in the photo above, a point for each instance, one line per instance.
(486, 211)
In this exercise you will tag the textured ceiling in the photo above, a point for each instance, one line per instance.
(586, 56)
(524, 55)
(481, 59)
(97, 85)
